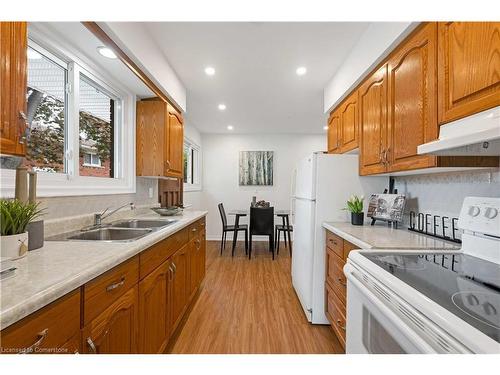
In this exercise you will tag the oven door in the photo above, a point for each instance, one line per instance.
(372, 327)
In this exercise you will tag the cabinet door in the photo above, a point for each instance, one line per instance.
(154, 317)
(193, 266)
(349, 124)
(13, 65)
(202, 255)
(114, 331)
(412, 100)
(180, 284)
(175, 144)
(150, 137)
(333, 133)
(373, 123)
(468, 68)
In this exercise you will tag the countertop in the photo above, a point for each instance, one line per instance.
(380, 236)
(59, 267)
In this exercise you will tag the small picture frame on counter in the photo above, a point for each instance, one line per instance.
(386, 207)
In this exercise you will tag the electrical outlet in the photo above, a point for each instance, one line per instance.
(150, 192)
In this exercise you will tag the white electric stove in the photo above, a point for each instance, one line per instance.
(429, 302)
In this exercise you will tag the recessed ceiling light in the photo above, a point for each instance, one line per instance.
(221, 107)
(301, 70)
(325, 127)
(230, 127)
(106, 52)
(33, 55)
(209, 71)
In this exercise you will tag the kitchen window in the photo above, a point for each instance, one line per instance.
(81, 136)
(192, 166)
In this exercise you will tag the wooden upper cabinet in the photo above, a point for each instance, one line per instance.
(372, 105)
(159, 139)
(468, 68)
(150, 135)
(174, 165)
(154, 314)
(13, 80)
(412, 117)
(349, 123)
(334, 133)
(114, 331)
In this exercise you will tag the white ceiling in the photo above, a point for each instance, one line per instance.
(255, 76)
(84, 44)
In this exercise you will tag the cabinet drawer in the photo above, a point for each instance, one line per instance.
(194, 230)
(202, 224)
(335, 275)
(151, 258)
(335, 243)
(347, 247)
(46, 330)
(107, 288)
(335, 312)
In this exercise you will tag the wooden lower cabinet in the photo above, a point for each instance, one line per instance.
(154, 310)
(337, 251)
(114, 331)
(133, 308)
(51, 329)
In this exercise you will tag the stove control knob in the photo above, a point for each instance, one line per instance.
(474, 211)
(491, 213)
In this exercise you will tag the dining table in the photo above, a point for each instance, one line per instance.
(238, 213)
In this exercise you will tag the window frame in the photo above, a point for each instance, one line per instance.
(195, 166)
(70, 182)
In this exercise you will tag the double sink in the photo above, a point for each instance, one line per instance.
(120, 231)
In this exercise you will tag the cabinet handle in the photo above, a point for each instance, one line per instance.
(194, 230)
(386, 156)
(341, 282)
(167, 165)
(171, 272)
(41, 336)
(198, 242)
(174, 268)
(339, 324)
(381, 156)
(91, 345)
(111, 287)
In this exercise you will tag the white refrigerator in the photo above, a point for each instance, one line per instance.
(321, 185)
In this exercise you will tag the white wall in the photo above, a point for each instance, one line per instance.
(374, 45)
(220, 171)
(137, 43)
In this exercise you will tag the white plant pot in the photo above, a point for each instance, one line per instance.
(12, 246)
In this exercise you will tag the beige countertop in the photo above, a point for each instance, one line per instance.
(59, 267)
(380, 236)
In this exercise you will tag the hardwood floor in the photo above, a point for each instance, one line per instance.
(249, 306)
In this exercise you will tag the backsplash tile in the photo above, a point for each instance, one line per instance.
(443, 193)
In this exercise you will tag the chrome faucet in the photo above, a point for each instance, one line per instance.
(98, 218)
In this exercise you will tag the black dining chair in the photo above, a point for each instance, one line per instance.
(262, 223)
(231, 228)
(287, 229)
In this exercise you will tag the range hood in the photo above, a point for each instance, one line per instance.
(476, 135)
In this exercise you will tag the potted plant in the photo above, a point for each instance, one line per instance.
(15, 216)
(355, 207)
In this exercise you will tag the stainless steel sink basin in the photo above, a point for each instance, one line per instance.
(137, 223)
(110, 235)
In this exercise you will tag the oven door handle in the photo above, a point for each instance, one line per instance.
(352, 274)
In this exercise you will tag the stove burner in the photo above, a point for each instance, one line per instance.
(401, 263)
(482, 306)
